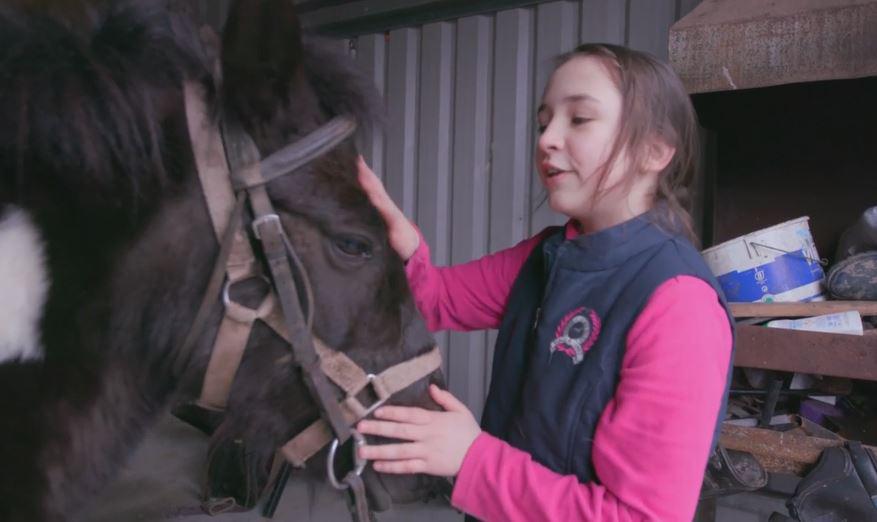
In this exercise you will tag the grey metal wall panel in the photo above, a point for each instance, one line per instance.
(402, 91)
(511, 146)
(435, 152)
(471, 170)
(603, 21)
(685, 7)
(649, 26)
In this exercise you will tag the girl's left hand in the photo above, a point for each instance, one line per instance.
(438, 439)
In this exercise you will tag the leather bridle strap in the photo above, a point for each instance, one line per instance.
(351, 378)
(298, 154)
(244, 159)
(235, 254)
(392, 380)
(214, 287)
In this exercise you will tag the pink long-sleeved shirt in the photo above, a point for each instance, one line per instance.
(651, 443)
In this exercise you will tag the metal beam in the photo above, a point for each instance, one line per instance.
(865, 308)
(352, 18)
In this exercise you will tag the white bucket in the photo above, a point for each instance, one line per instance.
(779, 263)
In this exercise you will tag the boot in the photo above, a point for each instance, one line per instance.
(833, 491)
(731, 471)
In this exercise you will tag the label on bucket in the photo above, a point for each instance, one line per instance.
(769, 281)
(778, 263)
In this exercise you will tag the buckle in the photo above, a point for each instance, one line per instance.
(261, 220)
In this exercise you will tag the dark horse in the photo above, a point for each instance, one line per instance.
(106, 245)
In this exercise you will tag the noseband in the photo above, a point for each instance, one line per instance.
(232, 174)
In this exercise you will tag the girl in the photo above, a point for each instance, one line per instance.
(614, 344)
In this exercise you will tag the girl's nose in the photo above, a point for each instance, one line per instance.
(550, 139)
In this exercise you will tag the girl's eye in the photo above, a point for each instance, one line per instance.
(578, 120)
(354, 246)
(541, 128)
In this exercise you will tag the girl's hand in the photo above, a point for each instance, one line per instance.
(439, 439)
(402, 234)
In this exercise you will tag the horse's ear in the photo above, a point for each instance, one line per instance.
(261, 46)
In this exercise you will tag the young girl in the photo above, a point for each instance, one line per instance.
(614, 344)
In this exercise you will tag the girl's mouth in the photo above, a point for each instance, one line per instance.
(551, 171)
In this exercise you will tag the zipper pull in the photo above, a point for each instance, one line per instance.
(538, 316)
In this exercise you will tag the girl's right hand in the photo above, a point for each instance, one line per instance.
(402, 234)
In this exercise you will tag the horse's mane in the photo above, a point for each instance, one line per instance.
(84, 89)
(81, 89)
(341, 88)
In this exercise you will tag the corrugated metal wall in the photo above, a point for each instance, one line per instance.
(457, 152)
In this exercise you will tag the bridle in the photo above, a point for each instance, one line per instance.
(232, 173)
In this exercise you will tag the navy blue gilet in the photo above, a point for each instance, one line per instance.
(562, 339)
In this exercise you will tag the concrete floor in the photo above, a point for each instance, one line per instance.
(162, 483)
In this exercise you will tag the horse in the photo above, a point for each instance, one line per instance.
(107, 247)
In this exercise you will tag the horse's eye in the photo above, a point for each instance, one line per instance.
(354, 246)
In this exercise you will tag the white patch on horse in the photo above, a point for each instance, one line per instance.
(24, 284)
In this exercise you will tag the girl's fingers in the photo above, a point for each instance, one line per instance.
(403, 236)
(408, 414)
(372, 185)
(405, 451)
(392, 430)
(401, 466)
(446, 399)
(365, 175)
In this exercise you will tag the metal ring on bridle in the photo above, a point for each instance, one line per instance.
(226, 297)
(359, 463)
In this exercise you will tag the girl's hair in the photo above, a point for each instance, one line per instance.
(654, 104)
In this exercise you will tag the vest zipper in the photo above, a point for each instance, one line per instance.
(547, 288)
(536, 321)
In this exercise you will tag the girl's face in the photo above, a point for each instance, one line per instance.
(579, 118)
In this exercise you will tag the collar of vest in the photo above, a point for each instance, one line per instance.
(608, 247)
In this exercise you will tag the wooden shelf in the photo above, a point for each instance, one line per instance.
(837, 355)
(740, 310)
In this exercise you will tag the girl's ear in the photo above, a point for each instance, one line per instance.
(658, 155)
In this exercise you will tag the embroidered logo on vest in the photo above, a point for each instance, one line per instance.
(576, 333)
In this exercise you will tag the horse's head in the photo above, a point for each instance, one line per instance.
(95, 149)
(279, 89)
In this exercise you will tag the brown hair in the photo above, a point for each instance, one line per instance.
(655, 104)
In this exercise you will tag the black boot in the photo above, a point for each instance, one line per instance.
(833, 490)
